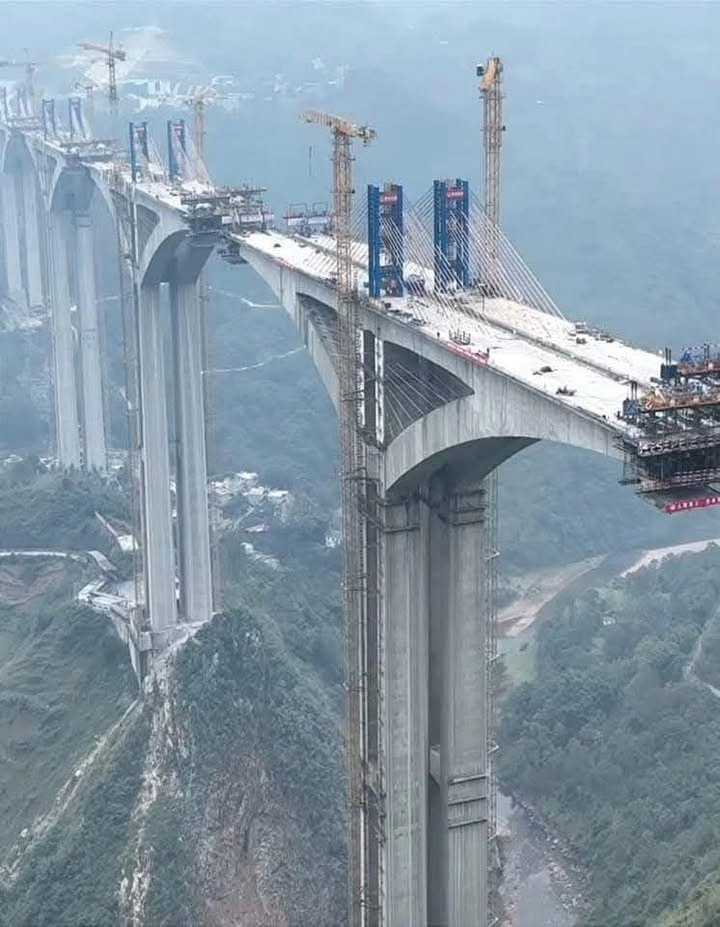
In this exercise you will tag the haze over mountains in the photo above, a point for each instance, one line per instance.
(611, 193)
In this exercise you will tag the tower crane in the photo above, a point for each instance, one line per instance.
(491, 90)
(352, 467)
(493, 128)
(111, 55)
(30, 69)
(197, 102)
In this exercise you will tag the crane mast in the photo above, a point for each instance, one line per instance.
(112, 55)
(493, 128)
(362, 900)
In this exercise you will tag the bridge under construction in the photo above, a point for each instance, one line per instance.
(443, 355)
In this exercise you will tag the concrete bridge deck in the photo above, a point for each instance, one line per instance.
(448, 388)
(520, 340)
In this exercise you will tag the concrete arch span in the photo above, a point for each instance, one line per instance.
(495, 410)
(74, 186)
(73, 251)
(425, 599)
(15, 152)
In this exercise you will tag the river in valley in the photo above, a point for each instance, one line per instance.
(539, 887)
(536, 892)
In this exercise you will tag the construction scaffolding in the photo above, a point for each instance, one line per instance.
(306, 220)
(672, 445)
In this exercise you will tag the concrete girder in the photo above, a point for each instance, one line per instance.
(294, 301)
(170, 254)
(73, 178)
(436, 551)
(498, 406)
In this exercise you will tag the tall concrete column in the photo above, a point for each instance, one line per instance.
(11, 233)
(191, 472)
(406, 707)
(33, 258)
(464, 737)
(66, 406)
(438, 578)
(92, 393)
(160, 603)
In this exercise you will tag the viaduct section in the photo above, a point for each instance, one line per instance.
(443, 421)
(58, 198)
(450, 386)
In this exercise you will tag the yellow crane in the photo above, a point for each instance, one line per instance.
(491, 92)
(112, 55)
(493, 128)
(352, 468)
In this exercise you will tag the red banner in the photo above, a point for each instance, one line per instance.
(686, 504)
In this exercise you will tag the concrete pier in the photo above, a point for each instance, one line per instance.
(464, 741)
(160, 601)
(438, 573)
(11, 239)
(66, 405)
(33, 257)
(92, 391)
(406, 700)
(435, 696)
(191, 471)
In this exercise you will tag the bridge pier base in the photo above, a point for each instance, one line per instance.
(160, 594)
(92, 393)
(66, 407)
(193, 532)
